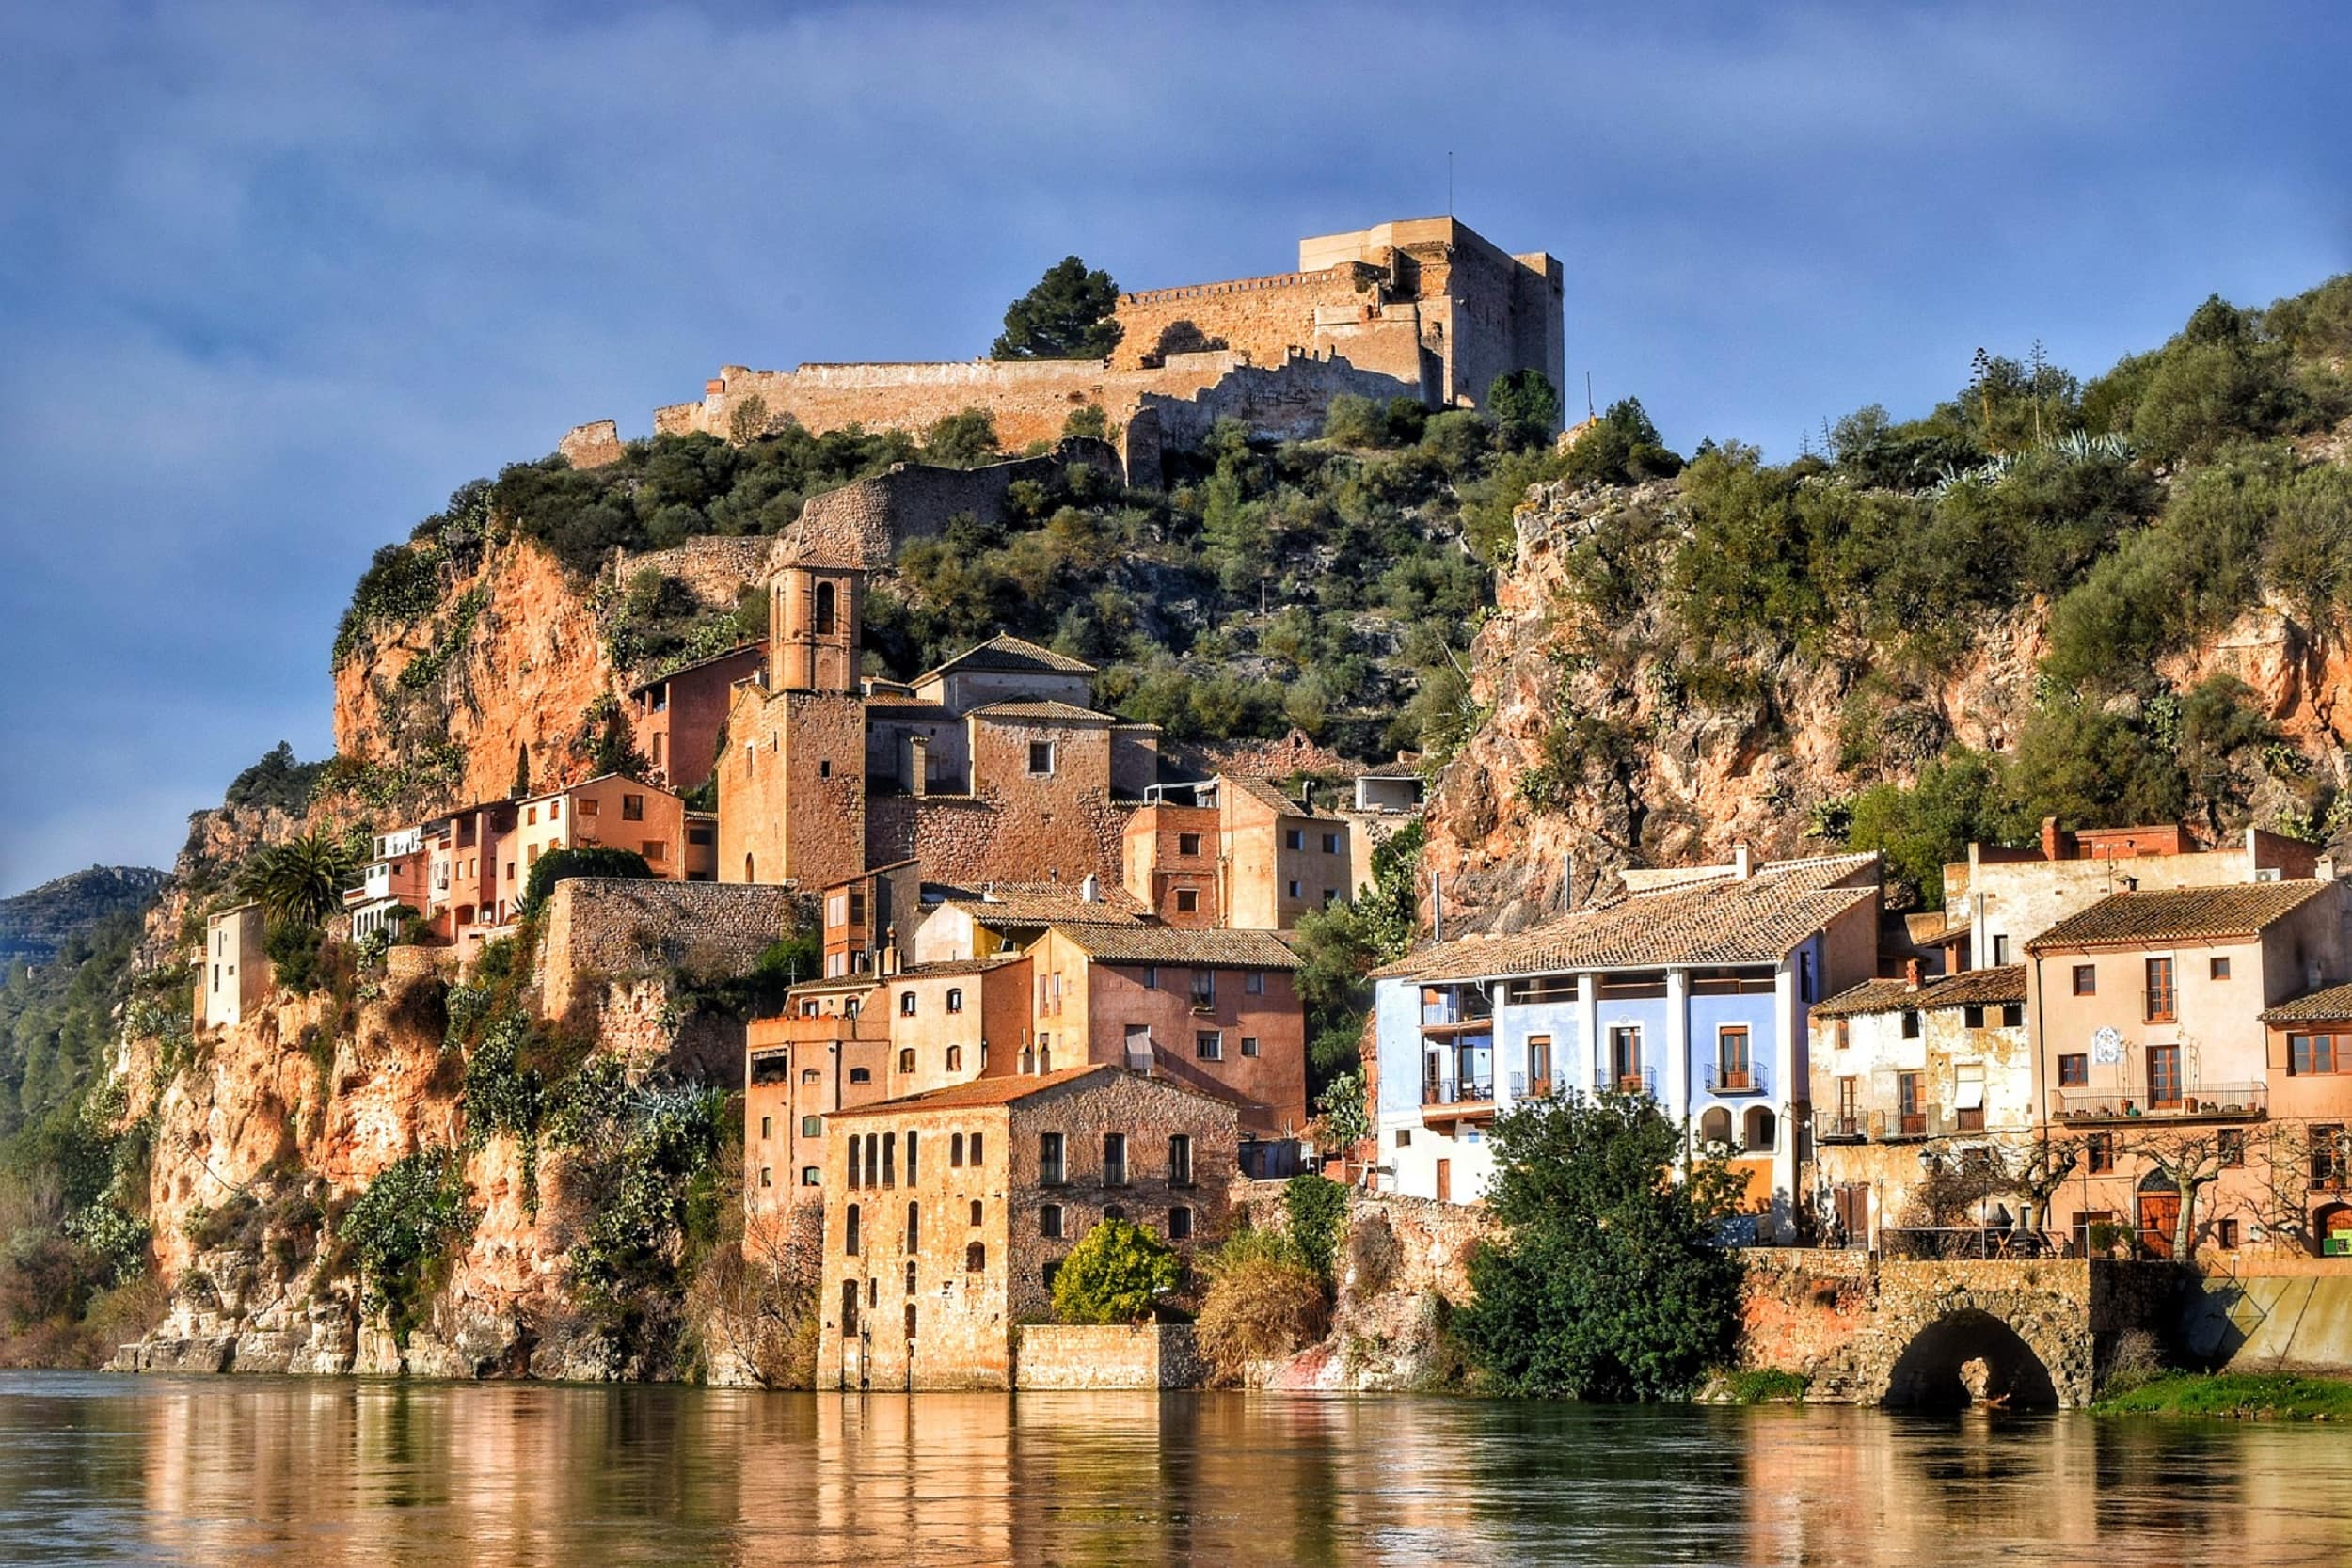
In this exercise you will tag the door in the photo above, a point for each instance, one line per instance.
(2164, 1077)
(1625, 1059)
(1539, 1065)
(2159, 1219)
(1445, 1181)
(1852, 1210)
(1731, 1059)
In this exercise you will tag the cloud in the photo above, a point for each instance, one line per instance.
(276, 278)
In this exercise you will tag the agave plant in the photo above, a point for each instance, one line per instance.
(300, 881)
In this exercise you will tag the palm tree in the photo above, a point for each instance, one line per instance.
(300, 882)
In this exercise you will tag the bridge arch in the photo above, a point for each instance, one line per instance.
(1953, 1348)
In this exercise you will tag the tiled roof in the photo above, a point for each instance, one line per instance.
(1977, 988)
(981, 1093)
(2179, 915)
(1042, 904)
(1403, 767)
(1170, 944)
(1720, 921)
(1264, 791)
(756, 645)
(946, 967)
(907, 710)
(1011, 653)
(1044, 710)
(2329, 1005)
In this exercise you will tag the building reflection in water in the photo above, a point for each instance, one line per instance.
(330, 1472)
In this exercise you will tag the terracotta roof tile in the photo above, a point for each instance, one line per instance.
(1041, 709)
(1003, 651)
(2177, 914)
(1977, 988)
(1262, 790)
(2329, 1005)
(946, 967)
(1720, 921)
(1042, 904)
(1140, 943)
(980, 1093)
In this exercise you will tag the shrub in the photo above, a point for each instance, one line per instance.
(962, 440)
(1765, 1386)
(1315, 1209)
(401, 1230)
(1374, 1255)
(1525, 407)
(1623, 447)
(1113, 1275)
(562, 863)
(1087, 421)
(1262, 1302)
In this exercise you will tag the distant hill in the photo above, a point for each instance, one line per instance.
(34, 924)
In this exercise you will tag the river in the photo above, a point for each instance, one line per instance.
(98, 1469)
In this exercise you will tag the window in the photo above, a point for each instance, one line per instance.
(555, 811)
(824, 768)
(811, 1176)
(1188, 844)
(2327, 1161)
(955, 999)
(2000, 950)
(763, 1177)
(702, 837)
(1292, 889)
(889, 1158)
(1910, 1023)
(849, 1310)
(1249, 1045)
(2073, 1070)
(976, 1149)
(1114, 1159)
(1049, 1221)
(810, 1128)
(859, 1074)
(1804, 980)
(2225, 1234)
(2160, 999)
(1180, 1224)
(849, 1231)
(906, 1059)
(1049, 1271)
(1404, 1137)
(1209, 1045)
(955, 1149)
(1972, 1016)
(824, 608)
(974, 1258)
(1731, 1058)
(2164, 1077)
(909, 1292)
(1151, 976)
(2310, 1053)
(531, 816)
(1294, 839)
(1187, 900)
(2086, 980)
(2098, 1153)
(1180, 1160)
(632, 808)
(1253, 983)
(1330, 844)
(1113, 1212)
(810, 1075)
(1909, 1103)
(2231, 1143)
(975, 1210)
(955, 1058)
(911, 1159)
(767, 1128)
(906, 1004)
(857, 1165)
(1331, 896)
(1049, 1160)
(915, 1230)
(2217, 969)
(2012, 1015)
(1040, 756)
(1204, 987)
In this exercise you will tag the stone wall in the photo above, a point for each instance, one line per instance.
(592, 445)
(864, 523)
(603, 928)
(1107, 1356)
(1261, 316)
(713, 568)
(1435, 1240)
(987, 837)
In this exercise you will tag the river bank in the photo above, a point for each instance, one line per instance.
(2236, 1396)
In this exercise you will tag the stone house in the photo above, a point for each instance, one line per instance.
(1694, 989)
(1998, 900)
(1217, 1009)
(471, 886)
(946, 1213)
(1906, 1070)
(1235, 851)
(675, 720)
(235, 977)
(1172, 856)
(828, 1050)
(2151, 1040)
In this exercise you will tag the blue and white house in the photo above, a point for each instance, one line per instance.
(1691, 987)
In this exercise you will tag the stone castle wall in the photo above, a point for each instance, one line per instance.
(863, 523)
(1107, 1356)
(599, 928)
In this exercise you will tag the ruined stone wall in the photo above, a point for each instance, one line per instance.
(713, 567)
(603, 928)
(1107, 1356)
(1263, 317)
(1435, 1240)
(592, 445)
(866, 521)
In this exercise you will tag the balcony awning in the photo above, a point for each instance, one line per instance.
(1971, 1094)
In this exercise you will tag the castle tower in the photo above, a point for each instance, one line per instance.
(812, 623)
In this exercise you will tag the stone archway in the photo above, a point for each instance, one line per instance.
(1968, 1357)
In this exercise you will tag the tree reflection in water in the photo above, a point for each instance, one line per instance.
(336, 1472)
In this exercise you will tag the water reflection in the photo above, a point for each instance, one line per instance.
(267, 1472)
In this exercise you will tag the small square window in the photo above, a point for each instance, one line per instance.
(812, 1128)
(632, 808)
(1910, 1023)
(765, 1177)
(1330, 844)
(1040, 756)
(1187, 900)
(1249, 1045)
(1254, 982)
(2086, 980)
(1293, 889)
(2218, 968)
(2012, 1015)
(1209, 1045)
(809, 1176)
(2073, 1070)
(1972, 1016)
(1188, 844)
(766, 1127)
(1404, 1137)
(1294, 839)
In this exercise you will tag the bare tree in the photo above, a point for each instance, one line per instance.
(2187, 1160)
(2294, 1163)
(755, 1301)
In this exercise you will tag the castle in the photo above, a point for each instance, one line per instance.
(1422, 307)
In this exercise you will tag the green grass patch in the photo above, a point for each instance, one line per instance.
(2237, 1395)
(1764, 1385)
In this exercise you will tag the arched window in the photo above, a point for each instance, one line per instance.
(975, 1151)
(824, 609)
(856, 1165)
(975, 1210)
(955, 1058)
(955, 1149)
(890, 1159)
(1044, 1058)
(810, 1075)
(1762, 1130)
(906, 1059)
(955, 999)
(910, 1159)
(849, 1231)
(1028, 1060)
(974, 1258)
(747, 870)
(1715, 1126)
(860, 1075)
(909, 1276)
(915, 1228)
(906, 1002)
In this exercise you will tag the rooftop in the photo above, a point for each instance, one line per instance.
(2176, 915)
(1016, 654)
(946, 967)
(1719, 920)
(1976, 988)
(1041, 711)
(2327, 1005)
(980, 1093)
(1138, 943)
(1043, 903)
(1262, 791)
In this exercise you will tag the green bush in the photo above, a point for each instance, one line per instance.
(1623, 447)
(1316, 1210)
(1263, 1302)
(1113, 1275)
(401, 1230)
(562, 864)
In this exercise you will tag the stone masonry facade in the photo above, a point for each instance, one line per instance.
(601, 927)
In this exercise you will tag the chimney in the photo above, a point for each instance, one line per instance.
(1090, 890)
(890, 950)
(1911, 974)
(1742, 860)
(2049, 838)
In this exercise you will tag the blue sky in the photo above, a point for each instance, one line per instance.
(276, 278)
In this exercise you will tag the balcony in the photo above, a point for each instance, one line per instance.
(1447, 1101)
(1639, 1080)
(1830, 1128)
(2205, 1102)
(1734, 1083)
(1543, 1087)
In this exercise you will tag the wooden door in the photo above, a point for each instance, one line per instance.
(1445, 1181)
(2164, 1077)
(2159, 1218)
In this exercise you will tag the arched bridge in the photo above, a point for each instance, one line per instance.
(1876, 1331)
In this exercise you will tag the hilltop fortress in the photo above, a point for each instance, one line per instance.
(1422, 307)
